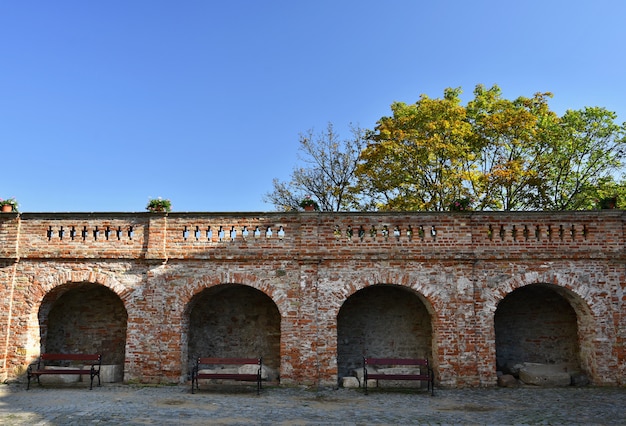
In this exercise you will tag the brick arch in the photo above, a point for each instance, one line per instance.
(54, 280)
(57, 279)
(188, 286)
(570, 287)
(353, 284)
(358, 328)
(229, 318)
(589, 314)
(87, 318)
(57, 324)
(196, 286)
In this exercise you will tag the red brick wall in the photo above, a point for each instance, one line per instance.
(459, 266)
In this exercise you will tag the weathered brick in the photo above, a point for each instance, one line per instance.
(430, 287)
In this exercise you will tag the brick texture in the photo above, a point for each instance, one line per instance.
(314, 292)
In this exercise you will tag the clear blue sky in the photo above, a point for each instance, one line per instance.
(106, 103)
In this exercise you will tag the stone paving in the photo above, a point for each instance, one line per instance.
(118, 404)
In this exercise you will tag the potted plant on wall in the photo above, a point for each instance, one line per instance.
(8, 205)
(159, 205)
(607, 203)
(461, 205)
(309, 204)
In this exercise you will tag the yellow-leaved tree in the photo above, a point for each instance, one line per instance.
(416, 159)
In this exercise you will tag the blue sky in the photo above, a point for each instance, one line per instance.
(104, 104)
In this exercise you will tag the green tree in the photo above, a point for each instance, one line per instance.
(587, 149)
(511, 138)
(502, 154)
(414, 159)
(327, 174)
(436, 154)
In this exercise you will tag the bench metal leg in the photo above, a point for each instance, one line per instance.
(29, 377)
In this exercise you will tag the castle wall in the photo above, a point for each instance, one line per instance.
(455, 269)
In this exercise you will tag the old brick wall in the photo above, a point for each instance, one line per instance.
(86, 318)
(234, 321)
(521, 314)
(379, 320)
(308, 275)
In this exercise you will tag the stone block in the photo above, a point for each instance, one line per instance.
(227, 370)
(252, 369)
(267, 373)
(59, 378)
(350, 382)
(359, 373)
(513, 368)
(548, 375)
(112, 373)
(507, 381)
(399, 370)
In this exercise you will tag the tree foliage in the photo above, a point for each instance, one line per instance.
(502, 154)
(414, 160)
(327, 175)
(585, 151)
(491, 154)
(511, 150)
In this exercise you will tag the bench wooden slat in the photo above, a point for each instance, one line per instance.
(228, 361)
(228, 376)
(38, 369)
(70, 357)
(420, 377)
(53, 371)
(244, 377)
(392, 362)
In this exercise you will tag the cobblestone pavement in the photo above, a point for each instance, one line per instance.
(117, 404)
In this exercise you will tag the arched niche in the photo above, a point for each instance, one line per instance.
(537, 323)
(233, 321)
(382, 320)
(84, 318)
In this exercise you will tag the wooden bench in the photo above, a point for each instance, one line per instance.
(196, 374)
(426, 373)
(47, 362)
